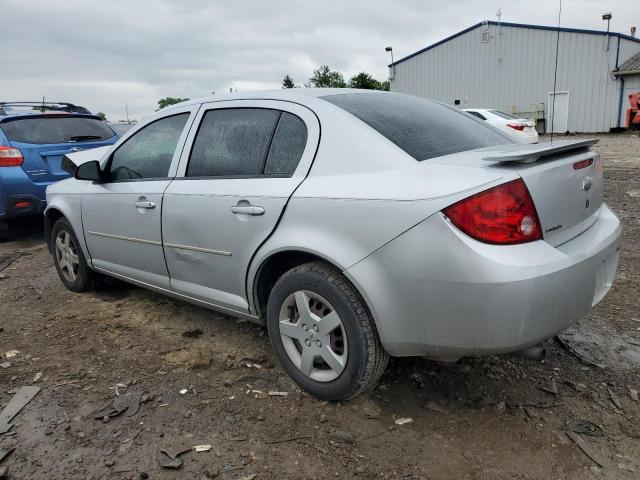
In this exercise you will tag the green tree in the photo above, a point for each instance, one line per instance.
(324, 77)
(366, 81)
(165, 102)
(102, 115)
(287, 82)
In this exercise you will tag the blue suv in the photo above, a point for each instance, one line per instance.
(34, 137)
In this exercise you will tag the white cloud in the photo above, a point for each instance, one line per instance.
(105, 54)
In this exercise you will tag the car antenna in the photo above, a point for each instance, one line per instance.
(42, 108)
(555, 73)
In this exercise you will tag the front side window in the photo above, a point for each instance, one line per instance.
(148, 152)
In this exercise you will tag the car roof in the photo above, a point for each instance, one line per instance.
(292, 94)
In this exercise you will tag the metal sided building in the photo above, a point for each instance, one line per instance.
(510, 67)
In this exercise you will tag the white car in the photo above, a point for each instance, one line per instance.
(521, 129)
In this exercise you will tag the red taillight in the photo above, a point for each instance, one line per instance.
(502, 215)
(517, 126)
(10, 157)
(583, 164)
(22, 204)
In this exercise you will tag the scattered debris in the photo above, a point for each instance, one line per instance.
(577, 439)
(627, 468)
(249, 477)
(570, 346)
(202, 448)
(6, 260)
(342, 436)
(184, 391)
(552, 388)
(195, 333)
(128, 401)
(633, 393)
(37, 377)
(273, 393)
(4, 452)
(11, 353)
(614, 398)
(4, 473)
(5, 364)
(290, 439)
(22, 397)
(536, 353)
(404, 421)
(165, 461)
(434, 407)
(585, 427)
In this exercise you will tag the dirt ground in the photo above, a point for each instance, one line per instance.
(480, 418)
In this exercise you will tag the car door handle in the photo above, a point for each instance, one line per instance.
(248, 209)
(145, 204)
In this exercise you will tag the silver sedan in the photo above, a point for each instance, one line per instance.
(354, 224)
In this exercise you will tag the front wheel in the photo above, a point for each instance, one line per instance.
(69, 260)
(323, 334)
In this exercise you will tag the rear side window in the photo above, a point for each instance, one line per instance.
(232, 142)
(149, 151)
(56, 129)
(287, 146)
(422, 128)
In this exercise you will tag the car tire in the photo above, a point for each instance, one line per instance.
(353, 347)
(5, 231)
(69, 259)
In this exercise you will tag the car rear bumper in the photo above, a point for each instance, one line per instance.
(436, 292)
(19, 196)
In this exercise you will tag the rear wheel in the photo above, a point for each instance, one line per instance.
(322, 333)
(69, 260)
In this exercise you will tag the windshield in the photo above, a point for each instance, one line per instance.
(423, 128)
(56, 129)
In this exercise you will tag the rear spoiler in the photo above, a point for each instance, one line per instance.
(533, 152)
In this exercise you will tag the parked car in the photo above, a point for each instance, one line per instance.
(354, 224)
(521, 129)
(33, 139)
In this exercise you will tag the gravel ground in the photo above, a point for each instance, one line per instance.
(480, 418)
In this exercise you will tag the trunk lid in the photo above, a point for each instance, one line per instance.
(43, 163)
(564, 179)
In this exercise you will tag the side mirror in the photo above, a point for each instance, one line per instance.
(89, 171)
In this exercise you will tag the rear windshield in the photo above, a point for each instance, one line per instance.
(56, 130)
(422, 128)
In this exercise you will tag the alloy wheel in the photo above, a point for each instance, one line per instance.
(313, 335)
(67, 256)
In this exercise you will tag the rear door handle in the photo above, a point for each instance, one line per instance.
(145, 204)
(248, 209)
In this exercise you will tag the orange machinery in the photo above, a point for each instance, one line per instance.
(633, 114)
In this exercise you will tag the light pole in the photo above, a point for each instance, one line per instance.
(393, 66)
(607, 17)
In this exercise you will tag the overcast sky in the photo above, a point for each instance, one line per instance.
(105, 54)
